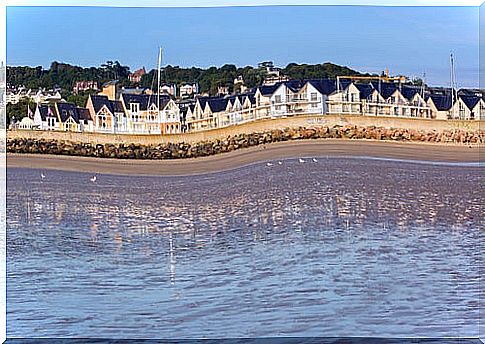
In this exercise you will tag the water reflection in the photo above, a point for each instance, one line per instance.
(342, 246)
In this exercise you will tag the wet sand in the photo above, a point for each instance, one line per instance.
(247, 156)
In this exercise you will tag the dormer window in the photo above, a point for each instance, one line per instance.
(134, 107)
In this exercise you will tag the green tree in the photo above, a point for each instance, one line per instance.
(19, 110)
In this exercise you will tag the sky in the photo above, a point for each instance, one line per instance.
(407, 40)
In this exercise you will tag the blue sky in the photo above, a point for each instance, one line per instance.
(407, 40)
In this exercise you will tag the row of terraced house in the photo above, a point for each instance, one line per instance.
(114, 111)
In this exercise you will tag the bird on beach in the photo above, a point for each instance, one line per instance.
(42, 176)
(93, 179)
(280, 163)
(315, 160)
(301, 161)
(269, 164)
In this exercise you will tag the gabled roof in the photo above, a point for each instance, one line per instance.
(100, 101)
(267, 90)
(84, 114)
(294, 85)
(409, 92)
(67, 110)
(145, 100)
(442, 102)
(203, 100)
(365, 90)
(470, 101)
(217, 104)
(139, 72)
(386, 89)
(324, 86)
(250, 96)
(117, 106)
(44, 111)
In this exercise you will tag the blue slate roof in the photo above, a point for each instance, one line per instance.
(251, 97)
(365, 90)
(409, 91)
(112, 105)
(267, 90)
(44, 112)
(324, 86)
(67, 110)
(100, 101)
(218, 104)
(442, 102)
(203, 100)
(386, 89)
(84, 114)
(470, 101)
(294, 85)
(145, 100)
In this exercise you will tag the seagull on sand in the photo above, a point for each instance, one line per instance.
(315, 160)
(269, 164)
(93, 179)
(42, 176)
(301, 161)
(280, 163)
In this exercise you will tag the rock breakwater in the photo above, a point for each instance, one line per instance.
(206, 148)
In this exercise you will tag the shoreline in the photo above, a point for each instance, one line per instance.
(411, 151)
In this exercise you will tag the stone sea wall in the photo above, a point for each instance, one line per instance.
(230, 143)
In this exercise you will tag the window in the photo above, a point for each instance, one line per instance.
(134, 107)
(313, 96)
(102, 121)
(277, 99)
(314, 105)
(462, 110)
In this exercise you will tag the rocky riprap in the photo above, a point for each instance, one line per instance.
(205, 148)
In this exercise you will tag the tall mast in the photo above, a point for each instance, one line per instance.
(453, 82)
(158, 88)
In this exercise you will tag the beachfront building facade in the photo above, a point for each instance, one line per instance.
(139, 112)
(468, 107)
(62, 116)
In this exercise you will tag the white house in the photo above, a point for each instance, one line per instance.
(347, 100)
(170, 119)
(187, 90)
(468, 107)
(45, 117)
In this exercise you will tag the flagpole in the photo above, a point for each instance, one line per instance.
(158, 89)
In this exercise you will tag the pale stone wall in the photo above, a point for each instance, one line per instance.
(253, 127)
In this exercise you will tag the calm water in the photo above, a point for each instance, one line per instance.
(339, 247)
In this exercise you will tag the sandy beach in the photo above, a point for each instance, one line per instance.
(243, 157)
